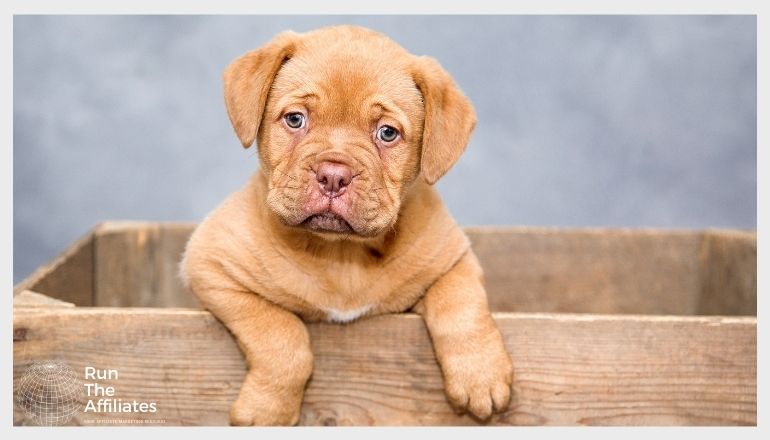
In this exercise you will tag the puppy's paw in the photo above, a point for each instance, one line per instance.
(478, 382)
(261, 404)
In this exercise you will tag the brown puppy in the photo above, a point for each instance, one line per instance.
(341, 221)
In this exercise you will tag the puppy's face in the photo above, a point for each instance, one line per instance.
(341, 136)
(346, 121)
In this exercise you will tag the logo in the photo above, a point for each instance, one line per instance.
(49, 392)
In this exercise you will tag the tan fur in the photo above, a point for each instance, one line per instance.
(253, 264)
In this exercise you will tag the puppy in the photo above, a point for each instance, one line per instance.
(341, 220)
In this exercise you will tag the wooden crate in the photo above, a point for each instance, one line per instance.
(605, 327)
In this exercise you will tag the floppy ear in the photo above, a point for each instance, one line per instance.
(248, 80)
(449, 119)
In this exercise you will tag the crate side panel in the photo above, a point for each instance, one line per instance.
(569, 369)
(589, 271)
(125, 270)
(137, 265)
(170, 291)
(69, 277)
(728, 274)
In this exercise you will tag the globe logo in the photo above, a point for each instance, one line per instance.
(49, 392)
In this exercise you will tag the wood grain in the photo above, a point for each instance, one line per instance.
(570, 369)
(728, 273)
(28, 298)
(137, 265)
(619, 271)
(633, 271)
(69, 277)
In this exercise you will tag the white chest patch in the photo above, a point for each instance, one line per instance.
(342, 316)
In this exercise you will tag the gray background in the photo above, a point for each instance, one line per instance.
(583, 121)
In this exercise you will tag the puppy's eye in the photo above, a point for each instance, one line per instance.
(387, 134)
(294, 120)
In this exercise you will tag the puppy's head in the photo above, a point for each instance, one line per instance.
(346, 120)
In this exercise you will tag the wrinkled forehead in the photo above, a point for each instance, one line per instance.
(356, 75)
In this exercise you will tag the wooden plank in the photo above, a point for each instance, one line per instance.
(728, 263)
(526, 269)
(69, 277)
(620, 271)
(137, 265)
(124, 273)
(569, 369)
(28, 298)
(170, 248)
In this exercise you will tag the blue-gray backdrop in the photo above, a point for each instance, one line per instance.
(583, 120)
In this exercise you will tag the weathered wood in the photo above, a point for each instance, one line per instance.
(137, 265)
(69, 277)
(728, 273)
(28, 298)
(569, 369)
(170, 248)
(124, 274)
(590, 270)
(526, 269)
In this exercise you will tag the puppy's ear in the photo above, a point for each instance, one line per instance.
(449, 119)
(248, 80)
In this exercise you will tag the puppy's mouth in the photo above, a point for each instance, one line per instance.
(328, 222)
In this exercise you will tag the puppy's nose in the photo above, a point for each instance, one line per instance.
(333, 177)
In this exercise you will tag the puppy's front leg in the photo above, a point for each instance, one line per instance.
(477, 368)
(277, 348)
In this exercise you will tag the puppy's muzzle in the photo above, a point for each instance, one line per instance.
(333, 178)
